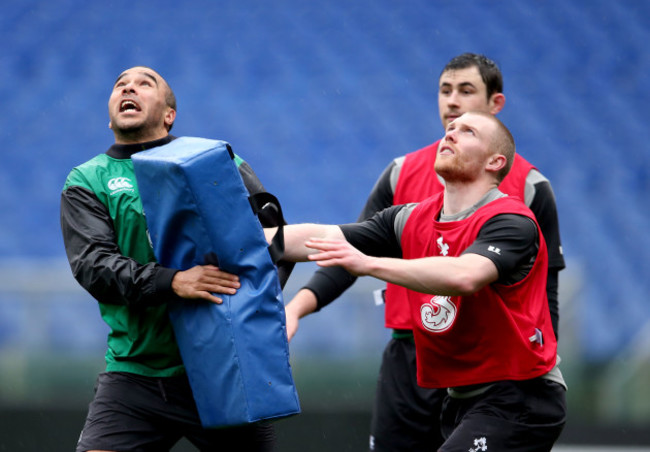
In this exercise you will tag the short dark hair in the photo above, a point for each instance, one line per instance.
(170, 100)
(490, 72)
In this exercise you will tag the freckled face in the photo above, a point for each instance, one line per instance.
(464, 150)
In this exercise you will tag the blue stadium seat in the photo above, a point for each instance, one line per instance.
(319, 97)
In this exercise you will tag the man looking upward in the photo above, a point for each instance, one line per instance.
(405, 417)
(143, 401)
(474, 264)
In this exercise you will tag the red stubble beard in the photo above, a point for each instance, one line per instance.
(452, 168)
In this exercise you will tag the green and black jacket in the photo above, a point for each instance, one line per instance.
(110, 254)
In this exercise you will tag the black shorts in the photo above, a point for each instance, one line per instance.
(405, 417)
(513, 416)
(139, 414)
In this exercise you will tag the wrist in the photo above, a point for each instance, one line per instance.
(302, 304)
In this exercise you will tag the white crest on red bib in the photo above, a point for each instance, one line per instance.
(438, 314)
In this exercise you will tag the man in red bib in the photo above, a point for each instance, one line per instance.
(474, 264)
(405, 416)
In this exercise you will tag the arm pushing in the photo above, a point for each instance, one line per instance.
(295, 236)
(461, 275)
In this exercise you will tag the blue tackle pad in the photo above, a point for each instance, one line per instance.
(236, 354)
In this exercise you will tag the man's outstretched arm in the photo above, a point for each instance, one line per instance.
(295, 236)
(461, 275)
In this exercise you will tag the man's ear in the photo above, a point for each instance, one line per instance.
(110, 124)
(170, 116)
(496, 162)
(497, 102)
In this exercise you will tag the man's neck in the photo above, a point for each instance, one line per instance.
(125, 151)
(461, 196)
(139, 136)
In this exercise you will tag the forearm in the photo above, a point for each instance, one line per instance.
(96, 261)
(295, 236)
(436, 275)
(302, 304)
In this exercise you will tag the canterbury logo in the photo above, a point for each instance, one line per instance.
(119, 184)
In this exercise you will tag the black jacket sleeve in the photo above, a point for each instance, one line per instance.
(545, 209)
(96, 261)
(98, 264)
(251, 181)
(329, 283)
(253, 185)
